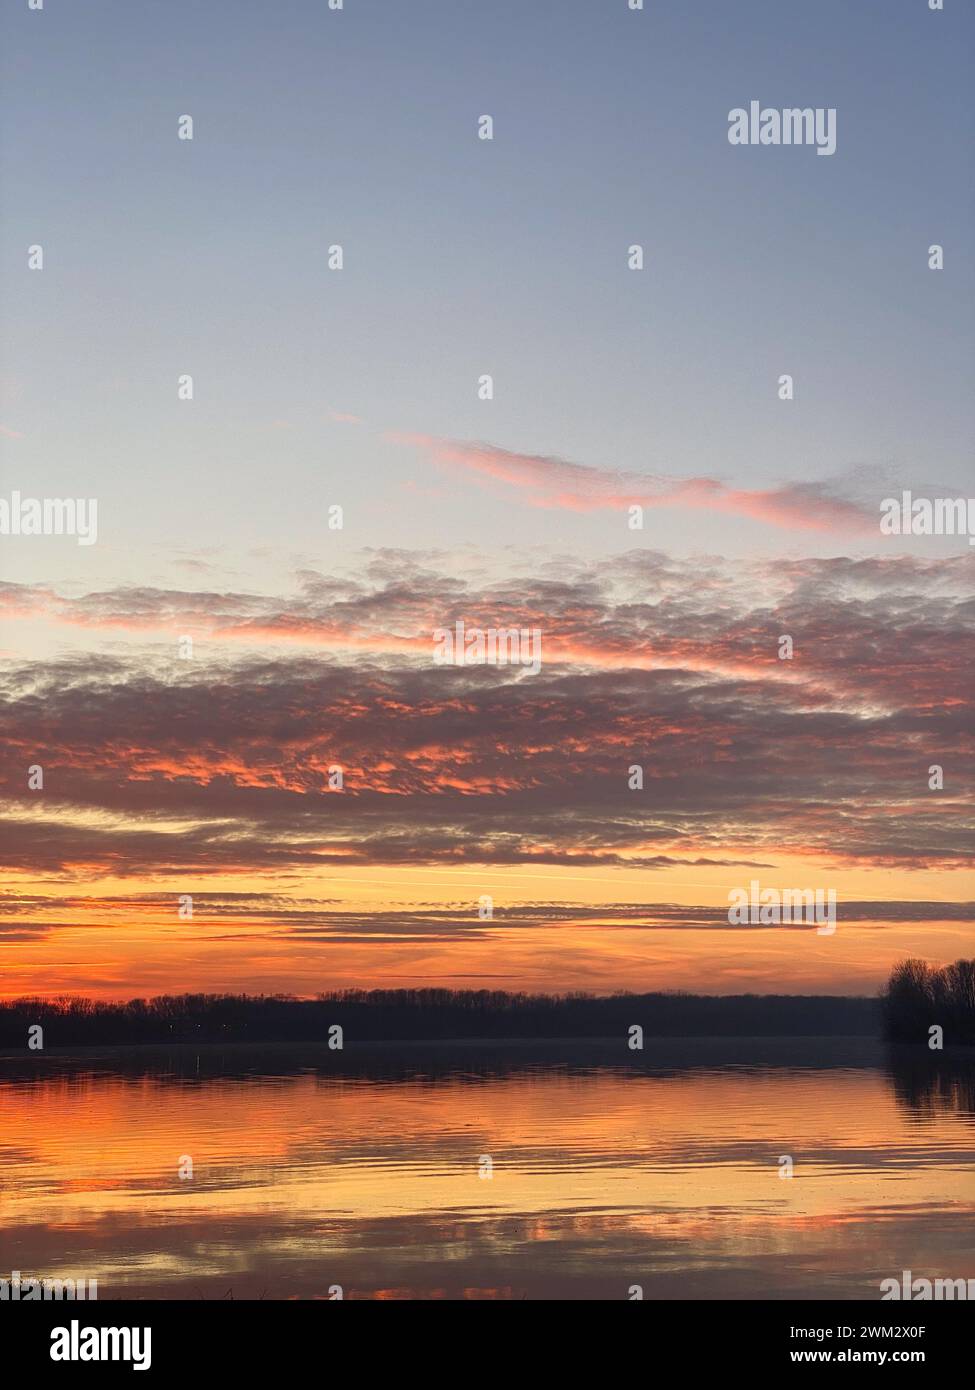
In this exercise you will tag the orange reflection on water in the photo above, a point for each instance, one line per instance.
(306, 1181)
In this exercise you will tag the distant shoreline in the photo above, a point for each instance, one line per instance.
(783, 1048)
(443, 1060)
(394, 1017)
(474, 1044)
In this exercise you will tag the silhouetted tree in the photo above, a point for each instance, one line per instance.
(382, 1015)
(918, 997)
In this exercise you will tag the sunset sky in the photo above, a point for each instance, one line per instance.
(312, 647)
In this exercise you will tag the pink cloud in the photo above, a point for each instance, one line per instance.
(554, 482)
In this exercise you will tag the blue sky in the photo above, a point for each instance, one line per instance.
(358, 127)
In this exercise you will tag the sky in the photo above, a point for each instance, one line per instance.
(169, 775)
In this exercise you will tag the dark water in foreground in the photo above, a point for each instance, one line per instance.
(363, 1170)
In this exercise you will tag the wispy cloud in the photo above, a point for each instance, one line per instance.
(548, 481)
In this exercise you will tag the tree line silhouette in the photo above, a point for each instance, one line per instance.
(381, 1015)
(918, 997)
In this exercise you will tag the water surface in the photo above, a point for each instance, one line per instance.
(363, 1170)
